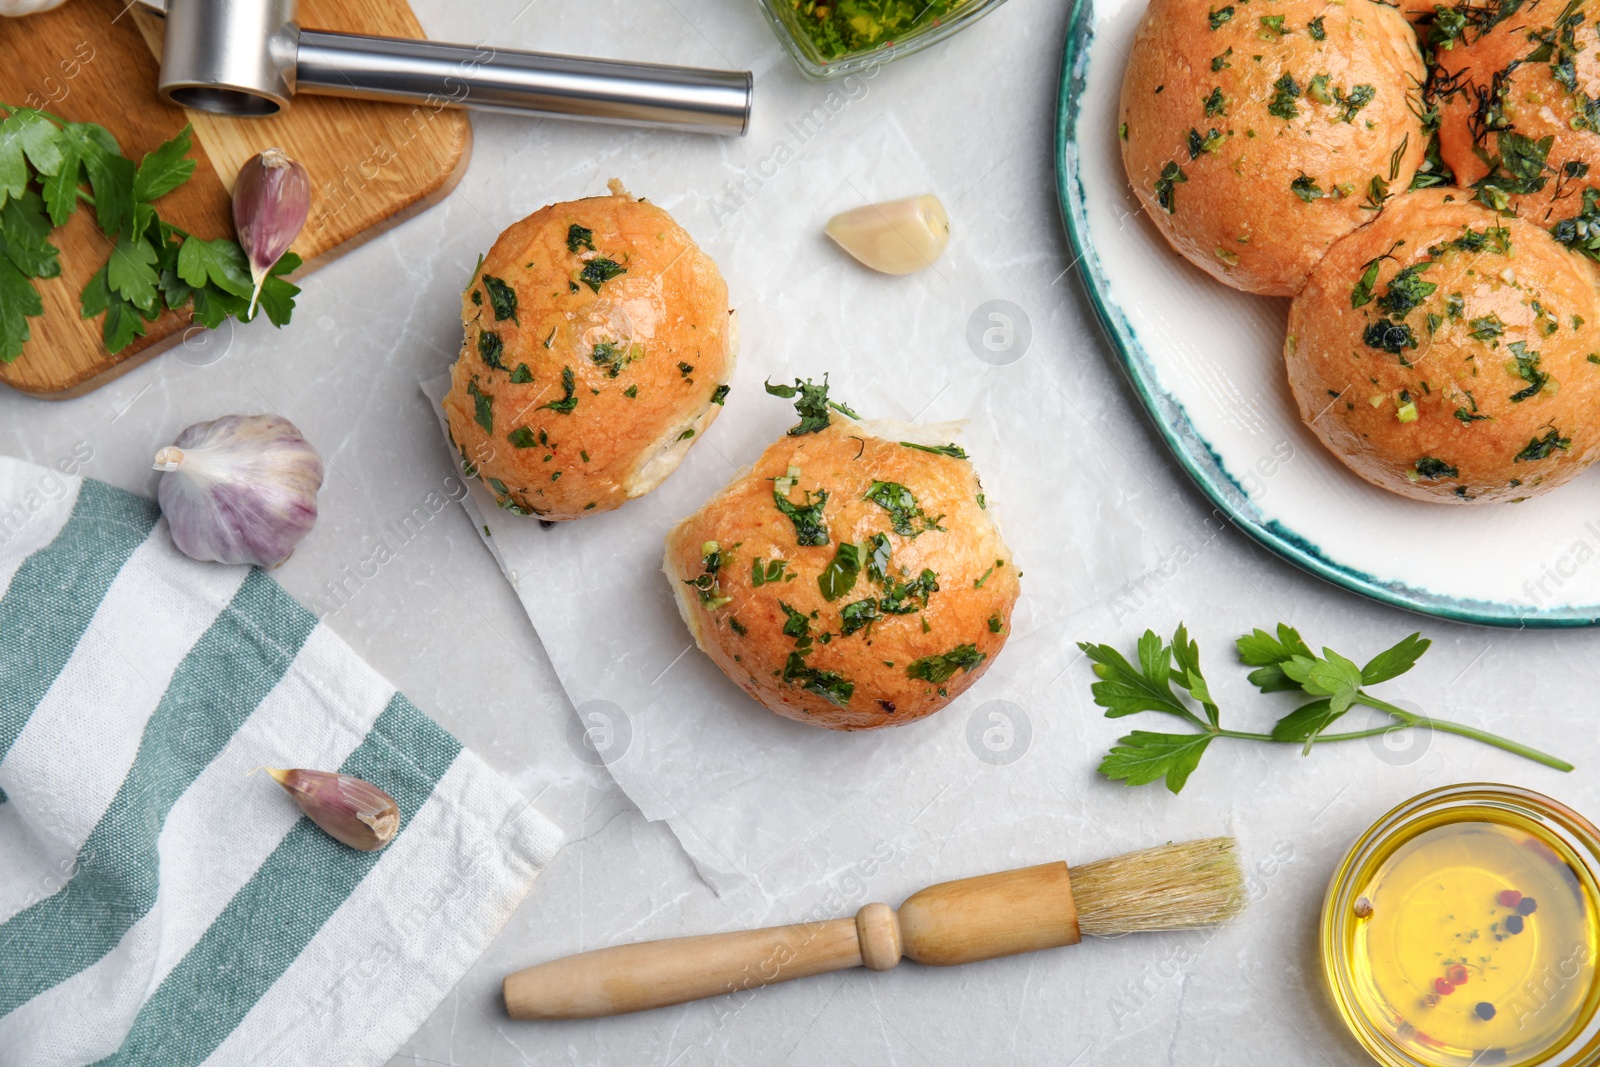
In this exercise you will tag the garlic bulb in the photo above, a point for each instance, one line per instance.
(15, 9)
(271, 199)
(348, 809)
(897, 237)
(242, 489)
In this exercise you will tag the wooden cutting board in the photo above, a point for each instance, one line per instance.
(371, 165)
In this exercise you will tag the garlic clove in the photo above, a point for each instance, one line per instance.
(271, 199)
(349, 810)
(241, 489)
(896, 237)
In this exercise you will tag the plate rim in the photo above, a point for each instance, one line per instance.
(1172, 422)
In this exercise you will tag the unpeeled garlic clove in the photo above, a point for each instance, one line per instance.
(349, 810)
(242, 489)
(895, 237)
(271, 199)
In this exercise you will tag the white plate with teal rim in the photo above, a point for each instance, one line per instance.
(1207, 363)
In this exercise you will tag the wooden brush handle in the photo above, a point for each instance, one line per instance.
(953, 922)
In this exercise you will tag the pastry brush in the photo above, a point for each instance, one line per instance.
(1170, 887)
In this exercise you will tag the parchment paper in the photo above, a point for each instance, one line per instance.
(737, 784)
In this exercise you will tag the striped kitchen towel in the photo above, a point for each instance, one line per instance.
(158, 905)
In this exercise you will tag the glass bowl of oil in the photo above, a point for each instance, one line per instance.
(1463, 930)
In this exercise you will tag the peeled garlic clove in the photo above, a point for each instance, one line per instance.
(350, 810)
(242, 489)
(896, 237)
(271, 199)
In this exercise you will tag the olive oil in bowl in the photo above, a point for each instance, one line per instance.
(1464, 930)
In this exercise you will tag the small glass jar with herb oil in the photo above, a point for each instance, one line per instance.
(831, 38)
(1464, 929)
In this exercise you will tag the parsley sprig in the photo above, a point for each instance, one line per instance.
(1283, 663)
(47, 165)
(813, 407)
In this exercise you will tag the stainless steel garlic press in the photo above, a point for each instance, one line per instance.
(249, 58)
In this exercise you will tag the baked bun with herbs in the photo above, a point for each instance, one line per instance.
(598, 348)
(1449, 353)
(1256, 135)
(1519, 119)
(850, 580)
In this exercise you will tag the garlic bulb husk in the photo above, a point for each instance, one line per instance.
(242, 489)
(349, 810)
(16, 9)
(271, 199)
(895, 237)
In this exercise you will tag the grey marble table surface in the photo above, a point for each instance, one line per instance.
(440, 620)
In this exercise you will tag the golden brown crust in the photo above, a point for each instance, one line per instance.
(632, 408)
(1487, 86)
(1498, 399)
(971, 609)
(1235, 213)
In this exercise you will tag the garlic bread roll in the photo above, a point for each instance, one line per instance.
(1255, 135)
(598, 348)
(1518, 111)
(1448, 353)
(847, 581)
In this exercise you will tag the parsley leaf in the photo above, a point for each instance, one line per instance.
(1285, 91)
(1143, 757)
(1333, 677)
(110, 177)
(164, 169)
(19, 301)
(1124, 690)
(1526, 366)
(857, 615)
(905, 517)
(1166, 185)
(1543, 447)
(579, 237)
(1396, 660)
(568, 402)
(940, 668)
(483, 404)
(502, 298)
(1394, 338)
(1306, 188)
(277, 292)
(131, 271)
(25, 237)
(600, 270)
(829, 685)
(839, 576)
(810, 526)
(1406, 290)
(813, 405)
(1267, 653)
(490, 347)
(953, 451)
(221, 263)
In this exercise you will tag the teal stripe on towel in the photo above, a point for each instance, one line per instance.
(229, 671)
(269, 922)
(55, 592)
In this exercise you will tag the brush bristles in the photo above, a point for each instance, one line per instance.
(1169, 887)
